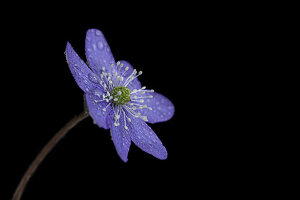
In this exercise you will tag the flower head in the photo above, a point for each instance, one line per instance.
(116, 99)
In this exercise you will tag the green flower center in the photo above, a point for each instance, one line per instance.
(121, 95)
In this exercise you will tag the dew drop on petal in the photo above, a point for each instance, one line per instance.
(76, 66)
(94, 47)
(100, 45)
(93, 78)
(98, 33)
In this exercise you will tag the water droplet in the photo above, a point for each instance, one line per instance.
(98, 33)
(93, 78)
(100, 45)
(85, 81)
(94, 47)
(76, 66)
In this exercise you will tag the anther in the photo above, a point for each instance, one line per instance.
(144, 118)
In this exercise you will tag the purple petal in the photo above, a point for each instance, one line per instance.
(134, 84)
(162, 108)
(121, 139)
(97, 51)
(145, 138)
(79, 69)
(96, 110)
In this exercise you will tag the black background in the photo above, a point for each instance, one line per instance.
(188, 53)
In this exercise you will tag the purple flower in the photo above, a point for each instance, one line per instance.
(116, 99)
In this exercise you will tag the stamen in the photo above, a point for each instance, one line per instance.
(134, 91)
(140, 100)
(132, 78)
(126, 128)
(110, 69)
(130, 111)
(121, 65)
(141, 97)
(104, 109)
(131, 75)
(144, 118)
(126, 69)
(117, 115)
(97, 101)
(141, 90)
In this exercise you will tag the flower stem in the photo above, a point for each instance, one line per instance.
(49, 146)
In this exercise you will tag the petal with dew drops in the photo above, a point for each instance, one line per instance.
(97, 51)
(145, 138)
(79, 70)
(161, 108)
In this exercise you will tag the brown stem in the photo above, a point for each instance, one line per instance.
(49, 146)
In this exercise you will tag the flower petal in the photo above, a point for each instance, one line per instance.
(134, 84)
(162, 109)
(145, 138)
(121, 139)
(79, 69)
(96, 110)
(97, 51)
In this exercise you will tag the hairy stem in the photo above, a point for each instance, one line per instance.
(41, 156)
